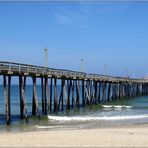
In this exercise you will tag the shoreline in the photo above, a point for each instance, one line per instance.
(41, 128)
(117, 136)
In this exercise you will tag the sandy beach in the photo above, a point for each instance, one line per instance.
(127, 136)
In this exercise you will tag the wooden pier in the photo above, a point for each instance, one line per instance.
(77, 88)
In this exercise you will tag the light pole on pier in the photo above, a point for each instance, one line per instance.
(82, 65)
(46, 57)
(127, 73)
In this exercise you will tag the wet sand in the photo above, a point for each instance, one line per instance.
(127, 136)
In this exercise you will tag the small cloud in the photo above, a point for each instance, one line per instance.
(64, 19)
(85, 7)
(75, 17)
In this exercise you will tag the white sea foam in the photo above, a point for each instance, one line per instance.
(116, 106)
(128, 106)
(107, 106)
(45, 127)
(90, 118)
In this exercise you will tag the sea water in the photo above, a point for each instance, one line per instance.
(118, 112)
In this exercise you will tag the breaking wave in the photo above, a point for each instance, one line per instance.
(116, 106)
(90, 118)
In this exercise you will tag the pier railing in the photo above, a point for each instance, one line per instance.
(13, 68)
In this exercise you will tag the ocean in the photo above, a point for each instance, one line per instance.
(127, 111)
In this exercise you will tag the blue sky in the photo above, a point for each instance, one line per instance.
(111, 33)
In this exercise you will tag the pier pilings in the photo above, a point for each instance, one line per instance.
(63, 90)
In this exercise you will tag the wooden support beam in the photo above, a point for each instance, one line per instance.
(61, 95)
(46, 94)
(23, 106)
(21, 97)
(87, 93)
(69, 84)
(73, 95)
(104, 92)
(89, 90)
(24, 100)
(83, 93)
(55, 96)
(114, 91)
(109, 92)
(7, 97)
(63, 84)
(119, 90)
(43, 94)
(50, 105)
(99, 92)
(78, 93)
(95, 91)
(35, 108)
(65, 92)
